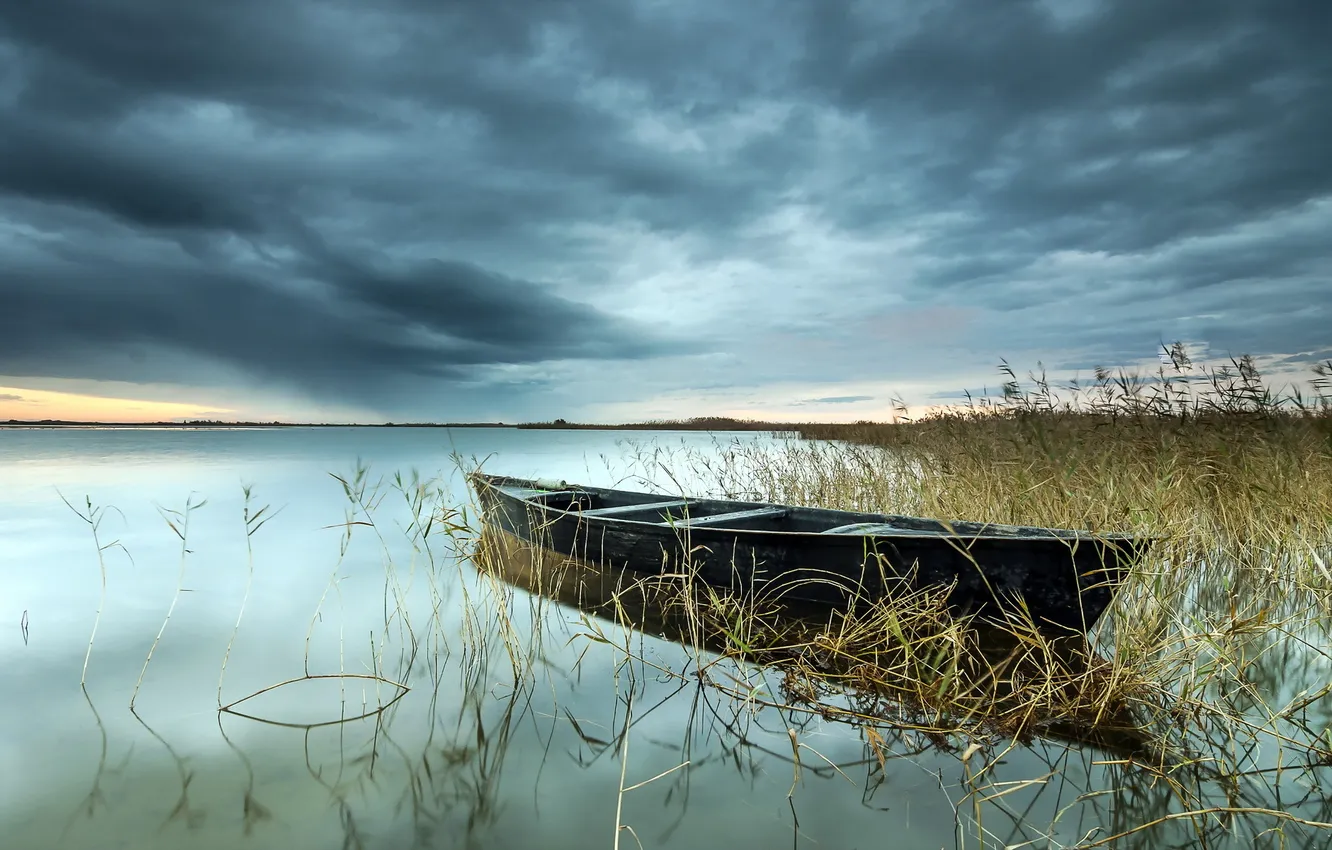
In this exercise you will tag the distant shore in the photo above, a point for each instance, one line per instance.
(696, 424)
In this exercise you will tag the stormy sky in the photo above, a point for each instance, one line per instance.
(626, 209)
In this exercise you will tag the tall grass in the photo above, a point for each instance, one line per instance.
(1215, 642)
(1233, 478)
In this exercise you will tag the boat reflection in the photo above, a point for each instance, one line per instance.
(988, 669)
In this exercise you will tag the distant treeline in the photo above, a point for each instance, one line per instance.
(822, 430)
(697, 423)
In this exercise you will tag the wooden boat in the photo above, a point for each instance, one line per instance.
(1055, 579)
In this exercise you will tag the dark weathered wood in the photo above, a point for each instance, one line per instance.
(1065, 578)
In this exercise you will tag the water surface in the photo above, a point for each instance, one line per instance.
(520, 724)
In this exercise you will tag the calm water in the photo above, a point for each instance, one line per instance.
(480, 751)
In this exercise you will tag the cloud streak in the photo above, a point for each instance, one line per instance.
(837, 399)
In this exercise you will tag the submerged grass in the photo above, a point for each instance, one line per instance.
(906, 658)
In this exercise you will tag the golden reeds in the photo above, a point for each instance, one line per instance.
(1209, 657)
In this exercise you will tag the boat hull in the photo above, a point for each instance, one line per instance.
(1056, 580)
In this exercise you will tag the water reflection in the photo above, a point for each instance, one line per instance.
(95, 796)
(1121, 783)
(528, 727)
(530, 715)
(252, 811)
(987, 665)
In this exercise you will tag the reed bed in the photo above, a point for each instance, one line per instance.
(1214, 658)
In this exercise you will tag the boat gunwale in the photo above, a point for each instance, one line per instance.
(1013, 534)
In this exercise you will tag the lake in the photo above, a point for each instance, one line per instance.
(518, 726)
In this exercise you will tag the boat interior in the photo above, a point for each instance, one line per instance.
(685, 513)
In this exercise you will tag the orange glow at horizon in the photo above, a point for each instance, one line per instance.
(30, 405)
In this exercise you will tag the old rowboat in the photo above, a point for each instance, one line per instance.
(1055, 578)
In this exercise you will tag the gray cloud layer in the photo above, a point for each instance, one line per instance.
(499, 202)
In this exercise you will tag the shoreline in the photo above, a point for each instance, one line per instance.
(702, 425)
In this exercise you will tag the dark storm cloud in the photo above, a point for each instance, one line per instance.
(1124, 129)
(360, 340)
(347, 198)
(51, 163)
(490, 312)
(89, 127)
(298, 63)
